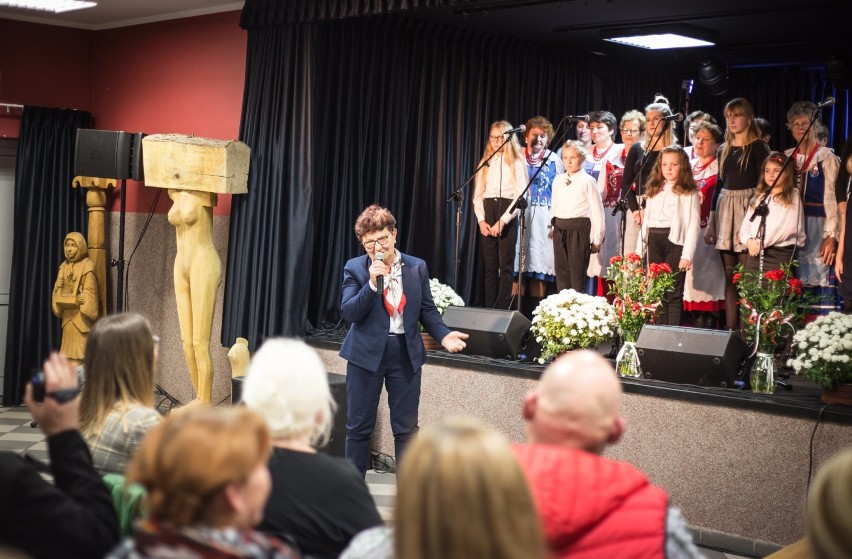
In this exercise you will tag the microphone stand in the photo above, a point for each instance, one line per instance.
(458, 196)
(521, 204)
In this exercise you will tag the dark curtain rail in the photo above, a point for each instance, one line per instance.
(390, 109)
(46, 209)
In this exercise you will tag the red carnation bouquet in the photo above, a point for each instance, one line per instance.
(637, 290)
(769, 302)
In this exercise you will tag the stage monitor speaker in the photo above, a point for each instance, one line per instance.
(493, 333)
(108, 154)
(691, 355)
(336, 445)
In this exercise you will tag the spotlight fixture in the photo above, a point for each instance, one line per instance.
(713, 75)
(54, 6)
(838, 68)
(657, 37)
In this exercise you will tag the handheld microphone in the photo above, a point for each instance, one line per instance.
(577, 118)
(520, 129)
(380, 281)
(677, 117)
(829, 101)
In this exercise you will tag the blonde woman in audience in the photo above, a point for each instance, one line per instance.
(117, 406)
(829, 521)
(318, 501)
(496, 187)
(207, 482)
(460, 494)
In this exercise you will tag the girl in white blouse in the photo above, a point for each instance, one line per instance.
(671, 225)
(497, 186)
(785, 223)
(578, 220)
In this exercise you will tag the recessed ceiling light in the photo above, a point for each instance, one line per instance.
(55, 6)
(660, 41)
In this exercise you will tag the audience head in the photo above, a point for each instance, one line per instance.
(539, 133)
(603, 126)
(205, 467)
(829, 518)
(287, 385)
(691, 121)
(632, 128)
(574, 153)
(119, 364)
(576, 404)
(655, 124)
(799, 117)
(672, 166)
(764, 128)
(769, 171)
(462, 494)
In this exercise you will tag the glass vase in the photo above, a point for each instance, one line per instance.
(627, 360)
(762, 373)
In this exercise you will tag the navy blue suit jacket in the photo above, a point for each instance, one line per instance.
(364, 310)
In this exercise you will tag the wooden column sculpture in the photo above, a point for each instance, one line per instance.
(96, 200)
(195, 170)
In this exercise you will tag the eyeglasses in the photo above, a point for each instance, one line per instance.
(381, 240)
(799, 125)
(495, 138)
(630, 131)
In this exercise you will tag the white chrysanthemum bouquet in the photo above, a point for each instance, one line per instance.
(571, 320)
(824, 350)
(444, 296)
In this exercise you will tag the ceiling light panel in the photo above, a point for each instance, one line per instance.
(53, 6)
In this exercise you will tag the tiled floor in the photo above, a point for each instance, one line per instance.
(16, 435)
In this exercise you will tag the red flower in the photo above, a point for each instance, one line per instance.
(775, 275)
(615, 259)
(736, 279)
(633, 257)
(664, 267)
(795, 285)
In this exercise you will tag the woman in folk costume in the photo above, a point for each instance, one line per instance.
(75, 296)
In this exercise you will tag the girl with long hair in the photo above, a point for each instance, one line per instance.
(497, 186)
(671, 225)
(740, 159)
(117, 406)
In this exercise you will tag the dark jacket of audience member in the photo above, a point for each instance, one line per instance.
(73, 518)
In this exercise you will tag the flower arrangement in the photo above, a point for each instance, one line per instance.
(637, 292)
(824, 350)
(570, 320)
(768, 303)
(444, 296)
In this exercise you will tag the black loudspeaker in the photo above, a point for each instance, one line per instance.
(493, 333)
(108, 154)
(337, 443)
(691, 355)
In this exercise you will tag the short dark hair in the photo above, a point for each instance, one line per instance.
(604, 117)
(374, 218)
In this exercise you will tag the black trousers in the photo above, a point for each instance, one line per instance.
(571, 252)
(498, 254)
(660, 250)
(773, 257)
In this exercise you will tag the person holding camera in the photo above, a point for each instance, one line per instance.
(75, 517)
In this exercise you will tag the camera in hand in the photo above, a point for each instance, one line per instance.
(37, 382)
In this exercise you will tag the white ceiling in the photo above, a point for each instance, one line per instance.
(121, 13)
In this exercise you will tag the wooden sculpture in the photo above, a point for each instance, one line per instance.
(96, 188)
(194, 170)
(239, 357)
(75, 296)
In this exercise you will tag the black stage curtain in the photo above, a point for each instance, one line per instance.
(46, 209)
(259, 13)
(390, 109)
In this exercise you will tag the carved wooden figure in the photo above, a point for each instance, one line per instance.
(75, 296)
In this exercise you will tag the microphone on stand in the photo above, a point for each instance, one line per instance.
(577, 118)
(380, 281)
(520, 129)
(677, 117)
(829, 101)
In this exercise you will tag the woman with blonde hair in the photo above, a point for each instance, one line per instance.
(117, 406)
(496, 187)
(317, 500)
(740, 159)
(829, 519)
(460, 494)
(205, 474)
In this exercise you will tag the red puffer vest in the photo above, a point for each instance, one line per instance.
(593, 507)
